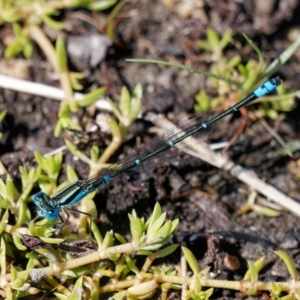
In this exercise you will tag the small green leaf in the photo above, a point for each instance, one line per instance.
(61, 54)
(2, 188)
(58, 128)
(97, 234)
(77, 290)
(17, 29)
(91, 97)
(2, 115)
(58, 157)
(242, 70)
(23, 214)
(136, 102)
(174, 225)
(17, 241)
(144, 289)
(120, 295)
(94, 153)
(80, 271)
(72, 148)
(39, 159)
(272, 114)
(31, 255)
(48, 254)
(5, 204)
(120, 238)
(3, 256)
(234, 61)
(76, 85)
(55, 241)
(166, 251)
(71, 174)
(20, 280)
(10, 250)
(290, 296)
(134, 214)
(52, 23)
(4, 220)
(197, 287)
(161, 235)
(258, 266)
(276, 289)
(14, 48)
(191, 259)
(154, 227)
(10, 189)
(102, 5)
(79, 3)
(43, 228)
(145, 253)
(225, 39)
(10, 14)
(115, 109)
(204, 45)
(69, 274)
(28, 49)
(20, 286)
(61, 296)
(190, 295)
(125, 102)
(24, 174)
(31, 264)
(114, 128)
(265, 211)
(64, 112)
(253, 273)
(251, 292)
(136, 228)
(33, 174)
(203, 103)
(137, 92)
(213, 38)
(14, 272)
(289, 263)
(155, 215)
(208, 293)
(131, 264)
(108, 240)
(49, 164)
(119, 268)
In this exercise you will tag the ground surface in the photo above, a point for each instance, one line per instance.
(204, 198)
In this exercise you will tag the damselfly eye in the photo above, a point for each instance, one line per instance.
(40, 197)
(52, 214)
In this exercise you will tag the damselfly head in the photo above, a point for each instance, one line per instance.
(44, 209)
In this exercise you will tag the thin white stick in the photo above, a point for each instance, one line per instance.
(222, 161)
(38, 89)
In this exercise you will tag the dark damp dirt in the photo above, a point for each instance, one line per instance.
(204, 198)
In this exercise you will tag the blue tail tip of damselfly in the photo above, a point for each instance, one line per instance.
(272, 83)
(276, 81)
(267, 87)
